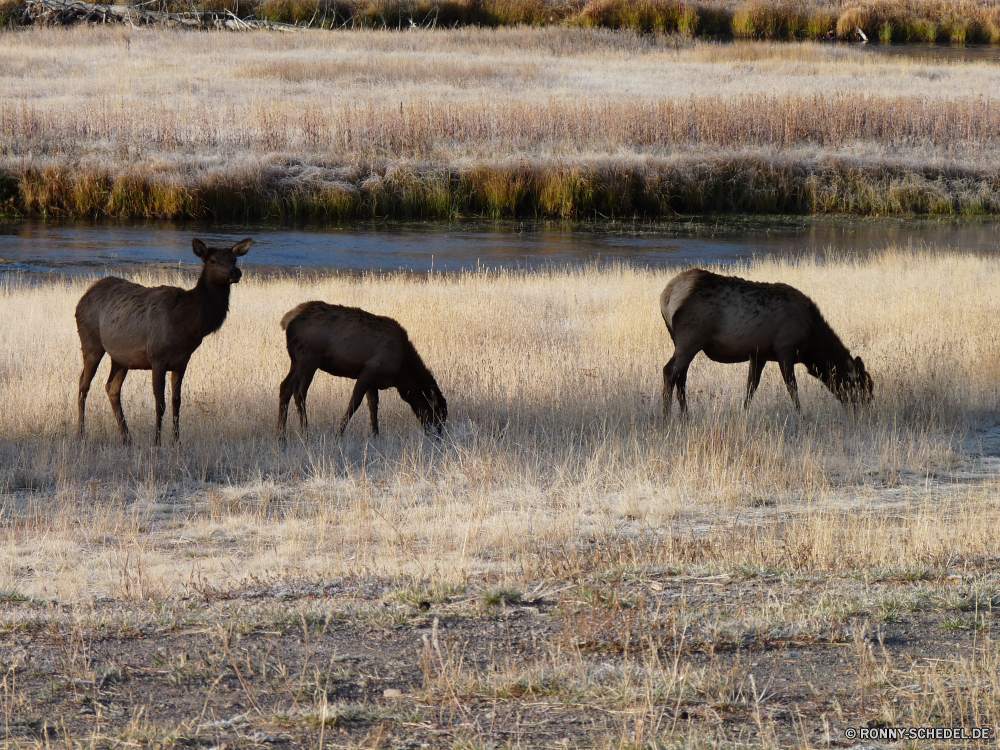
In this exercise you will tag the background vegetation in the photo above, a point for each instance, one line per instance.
(500, 123)
(884, 20)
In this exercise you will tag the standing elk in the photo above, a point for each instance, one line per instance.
(735, 320)
(153, 328)
(348, 342)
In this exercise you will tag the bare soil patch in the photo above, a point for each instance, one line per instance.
(381, 664)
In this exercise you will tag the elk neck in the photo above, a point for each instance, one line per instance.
(210, 302)
(415, 379)
(824, 349)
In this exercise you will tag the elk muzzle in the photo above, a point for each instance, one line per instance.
(235, 275)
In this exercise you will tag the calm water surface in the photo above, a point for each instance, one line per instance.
(74, 248)
(932, 53)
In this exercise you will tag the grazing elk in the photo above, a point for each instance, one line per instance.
(348, 342)
(735, 320)
(157, 328)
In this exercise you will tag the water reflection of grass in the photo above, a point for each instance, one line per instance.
(509, 122)
(554, 457)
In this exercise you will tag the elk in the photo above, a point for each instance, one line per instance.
(153, 328)
(348, 342)
(735, 320)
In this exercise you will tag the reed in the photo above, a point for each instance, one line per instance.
(923, 21)
(965, 21)
(599, 189)
(405, 14)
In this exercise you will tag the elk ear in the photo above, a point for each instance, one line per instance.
(860, 365)
(242, 247)
(199, 247)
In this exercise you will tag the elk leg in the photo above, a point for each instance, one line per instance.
(753, 378)
(284, 396)
(788, 374)
(176, 379)
(301, 389)
(91, 362)
(360, 389)
(675, 375)
(373, 409)
(680, 379)
(159, 395)
(668, 387)
(116, 379)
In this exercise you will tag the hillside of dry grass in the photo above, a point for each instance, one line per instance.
(508, 122)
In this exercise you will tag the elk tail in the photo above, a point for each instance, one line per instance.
(292, 315)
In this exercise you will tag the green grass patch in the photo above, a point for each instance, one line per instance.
(13, 596)
(501, 596)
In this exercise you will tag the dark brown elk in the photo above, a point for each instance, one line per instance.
(735, 320)
(153, 328)
(350, 343)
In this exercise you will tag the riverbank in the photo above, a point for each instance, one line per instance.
(534, 123)
(597, 189)
(968, 21)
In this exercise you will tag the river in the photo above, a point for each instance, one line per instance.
(41, 248)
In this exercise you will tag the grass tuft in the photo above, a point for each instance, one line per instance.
(501, 596)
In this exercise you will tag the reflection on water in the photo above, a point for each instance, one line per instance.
(41, 247)
(940, 53)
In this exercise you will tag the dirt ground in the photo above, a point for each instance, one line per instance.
(704, 661)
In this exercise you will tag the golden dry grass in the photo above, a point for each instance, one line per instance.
(554, 461)
(157, 123)
(466, 94)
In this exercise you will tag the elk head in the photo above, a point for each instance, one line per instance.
(431, 409)
(852, 384)
(220, 262)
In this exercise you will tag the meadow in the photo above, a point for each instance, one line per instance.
(562, 565)
(538, 122)
(564, 568)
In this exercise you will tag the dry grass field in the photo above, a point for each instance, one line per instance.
(561, 569)
(556, 122)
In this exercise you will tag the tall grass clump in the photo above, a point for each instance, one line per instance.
(642, 16)
(759, 19)
(402, 14)
(922, 21)
(965, 21)
(11, 13)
